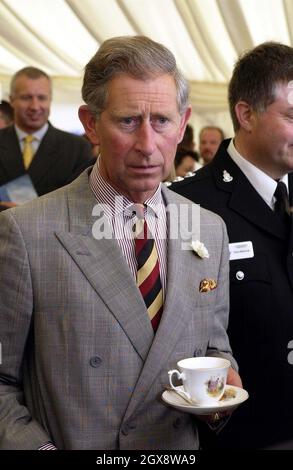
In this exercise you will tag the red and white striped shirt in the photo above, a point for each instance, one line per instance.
(118, 210)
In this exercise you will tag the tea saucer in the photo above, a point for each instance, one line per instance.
(232, 398)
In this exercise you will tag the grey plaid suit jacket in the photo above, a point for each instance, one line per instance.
(81, 366)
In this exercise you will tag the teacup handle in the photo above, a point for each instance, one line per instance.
(180, 376)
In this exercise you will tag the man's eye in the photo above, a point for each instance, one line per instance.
(162, 120)
(128, 121)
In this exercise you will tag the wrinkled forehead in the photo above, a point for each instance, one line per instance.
(130, 92)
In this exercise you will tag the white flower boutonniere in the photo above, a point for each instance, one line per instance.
(200, 249)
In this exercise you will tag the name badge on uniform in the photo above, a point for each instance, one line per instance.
(241, 250)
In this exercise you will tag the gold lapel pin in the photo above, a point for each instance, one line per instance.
(207, 285)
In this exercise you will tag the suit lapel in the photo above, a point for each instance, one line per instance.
(46, 155)
(290, 244)
(244, 199)
(174, 318)
(290, 184)
(10, 154)
(103, 264)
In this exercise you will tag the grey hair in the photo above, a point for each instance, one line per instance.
(138, 56)
(29, 72)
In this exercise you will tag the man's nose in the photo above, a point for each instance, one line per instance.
(145, 139)
(34, 103)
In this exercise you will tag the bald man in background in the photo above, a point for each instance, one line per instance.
(210, 138)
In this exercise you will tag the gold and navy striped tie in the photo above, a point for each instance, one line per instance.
(148, 272)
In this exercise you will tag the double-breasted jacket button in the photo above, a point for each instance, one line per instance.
(177, 423)
(132, 425)
(95, 361)
(240, 275)
(125, 429)
(197, 352)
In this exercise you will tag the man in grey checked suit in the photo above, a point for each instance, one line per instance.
(82, 367)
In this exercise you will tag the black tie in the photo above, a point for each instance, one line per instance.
(282, 202)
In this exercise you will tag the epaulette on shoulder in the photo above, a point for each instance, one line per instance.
(179, 179)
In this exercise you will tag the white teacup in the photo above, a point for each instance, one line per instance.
(204, 378)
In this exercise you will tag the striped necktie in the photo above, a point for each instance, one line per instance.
(28, 152)
(148, 272)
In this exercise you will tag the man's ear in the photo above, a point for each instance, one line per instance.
(245, 115)
(184, 120)
(88, 121)
(11, 101)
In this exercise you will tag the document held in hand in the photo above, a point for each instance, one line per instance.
(19, 190)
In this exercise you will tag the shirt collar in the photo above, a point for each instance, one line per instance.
(39, 134)
(114, 203)
(262, 183)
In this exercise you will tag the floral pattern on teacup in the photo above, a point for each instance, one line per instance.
(215, 386)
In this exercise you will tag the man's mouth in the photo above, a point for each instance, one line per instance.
(144, 168)
(34, 117)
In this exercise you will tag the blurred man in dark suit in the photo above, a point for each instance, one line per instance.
(32, 145)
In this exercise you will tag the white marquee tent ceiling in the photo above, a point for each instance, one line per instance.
(206, 37)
